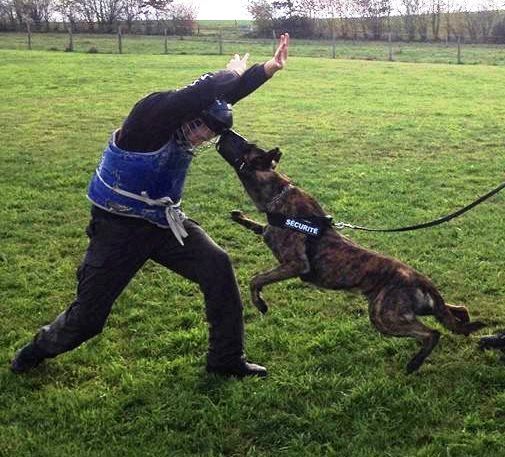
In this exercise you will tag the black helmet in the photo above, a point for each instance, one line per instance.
(218, 116)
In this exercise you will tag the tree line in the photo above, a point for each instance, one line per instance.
(406, 20)
(396, 20)
(137, 16)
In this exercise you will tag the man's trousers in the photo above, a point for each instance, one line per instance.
(118, 247)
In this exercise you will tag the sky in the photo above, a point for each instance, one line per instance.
(221, 9)
(237, 9)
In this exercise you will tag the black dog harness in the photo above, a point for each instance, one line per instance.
(314, 226)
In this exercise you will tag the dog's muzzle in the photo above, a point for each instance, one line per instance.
(232, 147)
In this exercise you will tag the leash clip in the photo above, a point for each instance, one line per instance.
(340, 225)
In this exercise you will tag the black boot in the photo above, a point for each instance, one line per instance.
(493, 341)
(240, 369)
(27, 358)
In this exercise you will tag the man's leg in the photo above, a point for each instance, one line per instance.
(202, 261)
(113, 257)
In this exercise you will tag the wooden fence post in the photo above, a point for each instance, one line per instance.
(119, 40)
(390, 47)
(459, 50)
(220, 43)
(70, 46)
(274, 42)
(333, 44)
(166, 40)
(29, 32)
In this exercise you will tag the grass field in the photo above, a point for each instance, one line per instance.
(380, 144)
(472, 54)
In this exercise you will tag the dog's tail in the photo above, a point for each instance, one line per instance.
(454, 318)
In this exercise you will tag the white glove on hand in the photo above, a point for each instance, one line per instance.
(237, 64)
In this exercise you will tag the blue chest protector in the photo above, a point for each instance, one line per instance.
(146, 185)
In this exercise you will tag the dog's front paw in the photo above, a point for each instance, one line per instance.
(236, 215)
(258, 301)
(261, 305)
(415, 363)
(412, 367)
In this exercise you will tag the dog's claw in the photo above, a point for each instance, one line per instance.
(415, 363)
(410, 370)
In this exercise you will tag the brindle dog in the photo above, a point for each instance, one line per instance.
(397, 294)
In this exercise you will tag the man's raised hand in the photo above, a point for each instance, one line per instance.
(278, 61)
(237, 64)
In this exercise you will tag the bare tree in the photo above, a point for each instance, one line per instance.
(87, 13)
(374, 14)
(479, 24)
(312, 10)
(45, 10)
(182, 17)
(335, 11)
(309, 8)
(8, 13)
(422, 20)
(471, 24)
(132, 11)
(68, 10)
(103, 13)
(262, 12)
(35, 11)
(454, 25)
(411, 10)
(489, 15)
(436, 18)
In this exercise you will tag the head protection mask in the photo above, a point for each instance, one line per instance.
(218, 116)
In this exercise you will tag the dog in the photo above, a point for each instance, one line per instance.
(306, 245)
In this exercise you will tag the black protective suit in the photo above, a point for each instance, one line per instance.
(120, 245)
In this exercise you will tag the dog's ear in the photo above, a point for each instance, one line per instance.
(274, 156)
(255, 158)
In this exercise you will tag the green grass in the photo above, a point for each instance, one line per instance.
(381, 144)
(208, 44)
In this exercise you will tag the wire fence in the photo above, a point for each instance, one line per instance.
(458, 52)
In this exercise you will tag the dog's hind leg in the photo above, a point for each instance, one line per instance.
(454, 319)
(391, 317)
(428, 339)
(239, 217)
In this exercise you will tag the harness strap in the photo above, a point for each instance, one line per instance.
(269, 206)
(172, 210)
(313, 226)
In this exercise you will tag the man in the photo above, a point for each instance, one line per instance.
(136, 216)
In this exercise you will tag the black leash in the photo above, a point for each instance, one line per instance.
(342, 225)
